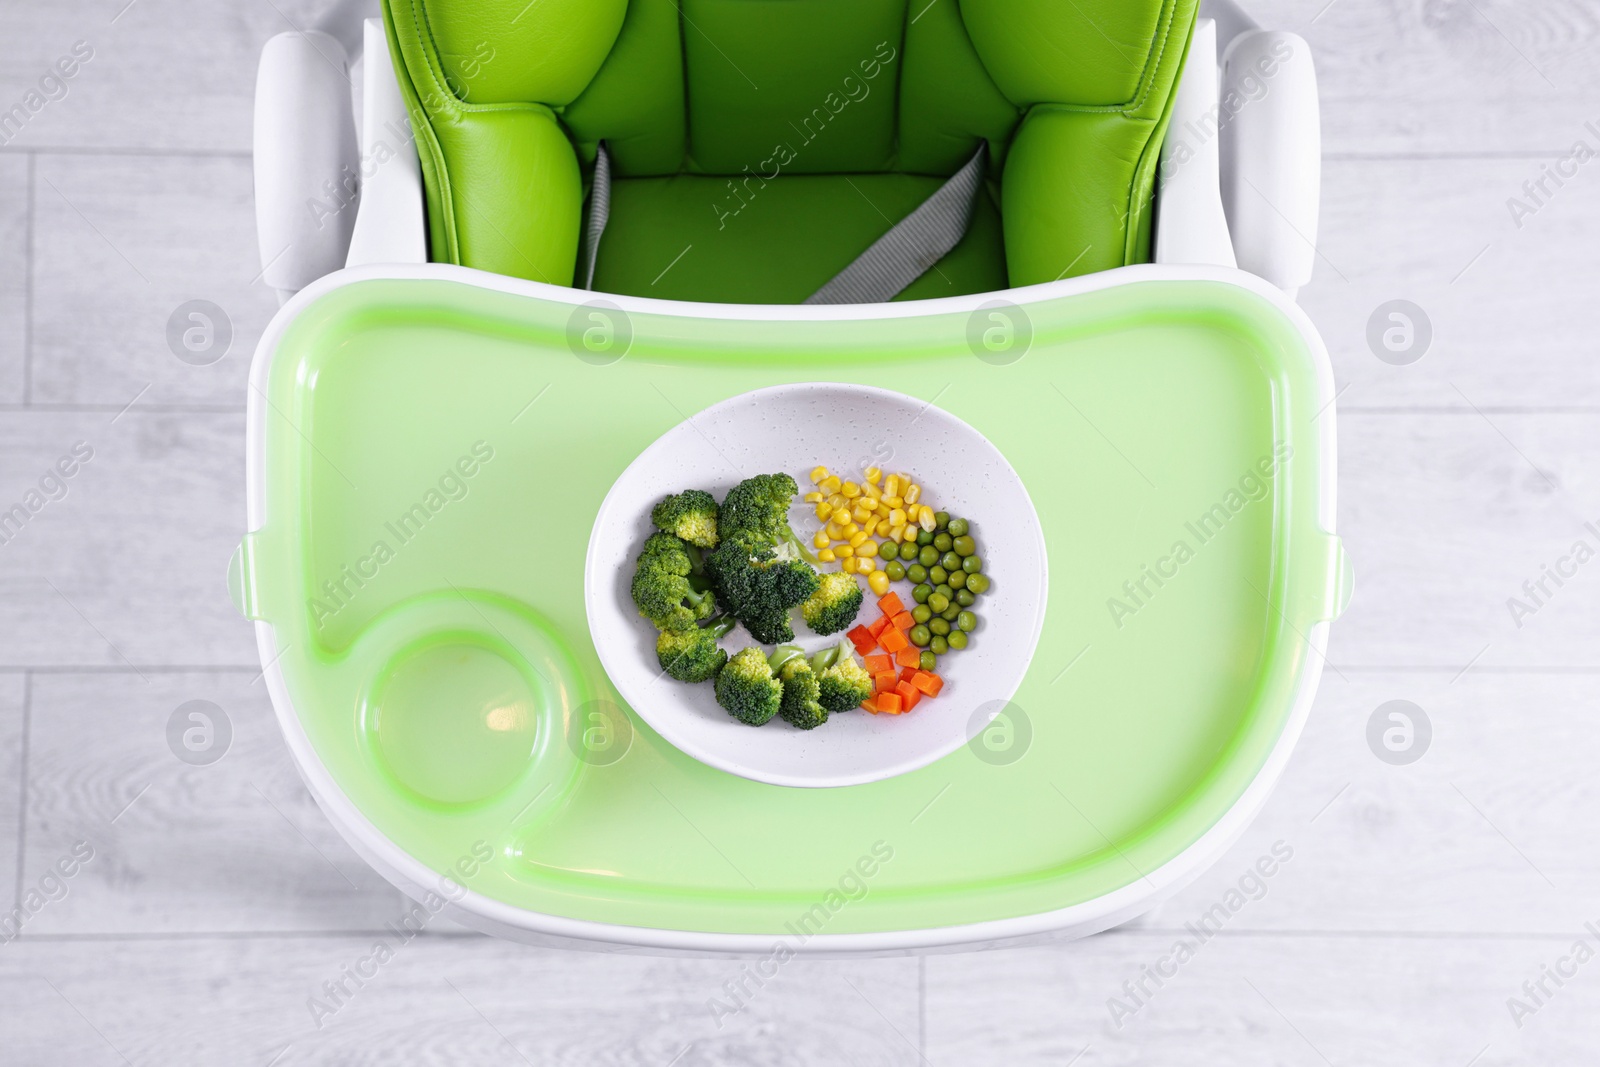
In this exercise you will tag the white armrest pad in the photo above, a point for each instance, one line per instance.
(305, 160)
(391, 225)
(1272, 156)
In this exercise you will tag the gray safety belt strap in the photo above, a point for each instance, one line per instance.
(913, 244)
(599, 211)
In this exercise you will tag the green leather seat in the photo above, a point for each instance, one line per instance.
(759, 146)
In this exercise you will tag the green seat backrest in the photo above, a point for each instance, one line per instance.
(509, 98)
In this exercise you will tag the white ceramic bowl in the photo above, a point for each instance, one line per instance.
(846, 428)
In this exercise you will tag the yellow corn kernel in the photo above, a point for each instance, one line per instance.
(893, 501)
(873, 474)
(897, 517)
(821, 539)
(898, 533)
(826, 556)
(891, 487)
(813, 498)
(870, 491)
(871, 526)
(844, 551)
(879, 582)
(823, 511)
(861, 515)
(857, 537)
(865, 564)
(868, 549)
(925, 520)
(818, 474)
(851, 490)
(834, 531)
(838, 500)
(912, 494)
(830, 484)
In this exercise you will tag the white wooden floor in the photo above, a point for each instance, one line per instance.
(1420, 898)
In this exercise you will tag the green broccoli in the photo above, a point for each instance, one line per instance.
(693, 655)
(844, 683)
(799, 705)
(747, 689)
(758, 587)
(661, 585)
(758, 508)
(834, 605)
(691, 515)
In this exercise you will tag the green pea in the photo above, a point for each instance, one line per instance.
(940, 627)
(922, 613)
(920, 636)
(887, 551)
(897, 570)
(939, 645)
(978, 583)
(930, 662)
(967, 621)
(941, 519)
(921, 594)
(972, 564)
(957, 639)
(950, 561)
(938, 575)
(951, 613)
(944, 591)
(964, 546)
(965, 598)
(942, 541)
(958, 527)
(924, 537)
(928, 556)
(937, 602)
(917, 572)
(957, 580)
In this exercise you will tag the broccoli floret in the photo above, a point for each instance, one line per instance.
(834, 605)
(757, 587)
(661, 586)
(758, 508)
(845, 684)
(691, 515)
(800, 691)
(747, 689)
(693, 655)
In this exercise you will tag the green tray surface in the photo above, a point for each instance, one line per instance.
(1135, 410)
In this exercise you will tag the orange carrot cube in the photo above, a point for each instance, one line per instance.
(889, 604)
(928, 682)
(886, 680)
(903, 621)
(893, 640)
(909, 694)
(909, 658)
(890, 703)
(877, 626)
(879, 663)
(864, 639)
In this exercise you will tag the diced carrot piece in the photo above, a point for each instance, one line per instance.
(928, 682)
(864, 639)
(885, 680)
(909, 658)
(907, 673)
(870, 704)
(909, 694)
(892, 703)
(878, 664)
(877, 626)
(903, 621)
(889, 604)
(893, 640)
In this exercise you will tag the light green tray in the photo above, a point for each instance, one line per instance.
(1147, 397)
